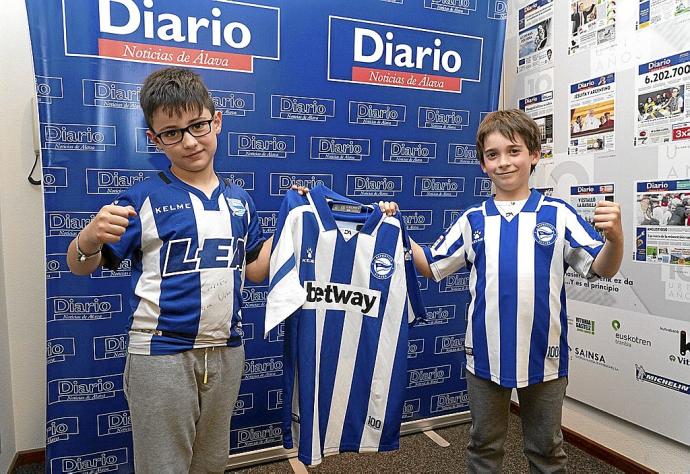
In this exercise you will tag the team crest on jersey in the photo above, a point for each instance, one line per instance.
(382, 266)
(236, 207)
(545, 233)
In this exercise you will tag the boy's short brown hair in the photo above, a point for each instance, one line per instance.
(509, 123)
(174, 90)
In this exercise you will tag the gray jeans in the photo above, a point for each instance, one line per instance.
(541, 407)
(179, 423)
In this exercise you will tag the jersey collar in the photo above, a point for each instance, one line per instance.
(319, 196)
(532, 205)
(197, 192)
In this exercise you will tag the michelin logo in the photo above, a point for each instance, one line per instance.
(312, 109)
(417, 219)
(438, 315)
(114, 181)
(414, 348)
(111, 94)
(449, 401)
(443, 119)
(280, 183)
(101, 461)
(244, 403)
(275, 399)
(438, 186)
(449, 343)
(254, 436)
(408, 152)
(110, 347)
(455, 282)
(461, 7)
(61, 429)
(339, 149)
(260, 145)
(84, 389)
(114, 423)
(77, 136)
(48, 88)
(65, 308)
(58, 349)
(263, 367)
(373, 185)
(411, 408)
(54, 177)
(428, 376)
(462, 154)
(378, 114)
(232, 103)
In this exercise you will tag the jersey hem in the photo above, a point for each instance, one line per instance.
(512, 383)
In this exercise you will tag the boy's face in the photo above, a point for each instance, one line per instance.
(509, 165)
(192, 154)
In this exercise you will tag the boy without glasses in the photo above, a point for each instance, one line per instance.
(517, 246)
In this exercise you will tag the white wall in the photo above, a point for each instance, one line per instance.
(22, 310)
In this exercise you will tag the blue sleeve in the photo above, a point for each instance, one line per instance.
(130, 241)
(415, 304)
(255, 233)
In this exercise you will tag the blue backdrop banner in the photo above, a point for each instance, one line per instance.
(375, 99)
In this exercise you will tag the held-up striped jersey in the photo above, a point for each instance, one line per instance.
(517, 329)
(188, 255)
(349, 294)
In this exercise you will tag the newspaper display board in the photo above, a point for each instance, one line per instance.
(653, 12)
(535, 37)
(540, 108)
(592, 23)
(584, 198)
(592, 115)
(661, 92)
(662, 222)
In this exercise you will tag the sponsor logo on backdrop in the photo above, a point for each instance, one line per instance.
(411, 408)
(455, 282)
(449, 401)
(443, 119)
(143, 143)
(277, 334)
(684, 343)
(428, 376)
(593, 357)
(392, 55)
(274, 399)
(254, 296)
(111, 94)
(123, 271)
(54, 177)
(77, 136)
(373, 113)
(232, 103)
(498, 9)
(254, 436)
(584, 325)
(462, 7)
(438, 315)
(101, 461)
(626, 339)
(205, 34)
(462, 154)
(78, 308)
(423, 283)
(684, 348)
(291, 107)
(280, 183)
(450, 216)
(260, 145)
(246, 331)
(482, 187)
(114, 423)
(408, 152)
(643, 376)
(58, 349)
(414, 348)
(373, 185)
(438, 186)
(114, 181)
(244, 180)
(339, 149)
(417, 219)
(48, 88)
(449, 343)
(61, 429)
(84, 389)
(269, 221)
(263, 367)
(110, 347)
(244, 402)
(56, 265)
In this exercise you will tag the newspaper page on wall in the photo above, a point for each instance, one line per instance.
(662, 222)
(535, 37)
(592, 23)
(653, 12)
(540, 108)
(592, 116)
(584, 198)
(662, 115)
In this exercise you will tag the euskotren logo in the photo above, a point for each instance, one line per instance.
(208, 34)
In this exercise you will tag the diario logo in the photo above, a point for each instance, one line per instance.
(244, 402)
(462, 154)
(280, 183)
(373, 113)
(340, 296)
(373, 185)
(438, 315)
(254, 296)
(61, 429)
(48, 88)
(110, 347)
(232, 103)
(449, 401)
(56, 265)
(277, 334)
(411, 408)
(449, 343)
(417, 219)
(142, 142)
(289, 107)
(391, 55)
(269, 221)
(462, 7)
(210, 34)
(244, 180)
(83, 389)
(114, 423)
(450, 216)
(263, 367)
(382, 266)
(254, 436)
(401, 151)
(428, 376)
(438, 186)
(414, 348)
(54, 177)
(111, 94)
(77, 136)
(101, 461)
(66, 308)
(482, 187)
(260, 145)
(443, 119)
(275, 399)
(59, 348)
(498, 9)
(455, 282)
(114, 181)
(339, 149)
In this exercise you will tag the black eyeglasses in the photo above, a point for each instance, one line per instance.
(175, 135)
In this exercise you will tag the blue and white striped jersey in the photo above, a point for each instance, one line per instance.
(349, 294)
(188, 255)
(517, 328)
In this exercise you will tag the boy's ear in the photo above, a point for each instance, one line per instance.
(152, 136)
(535, 155)
(218, 121)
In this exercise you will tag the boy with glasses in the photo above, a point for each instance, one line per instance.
(192, 239)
